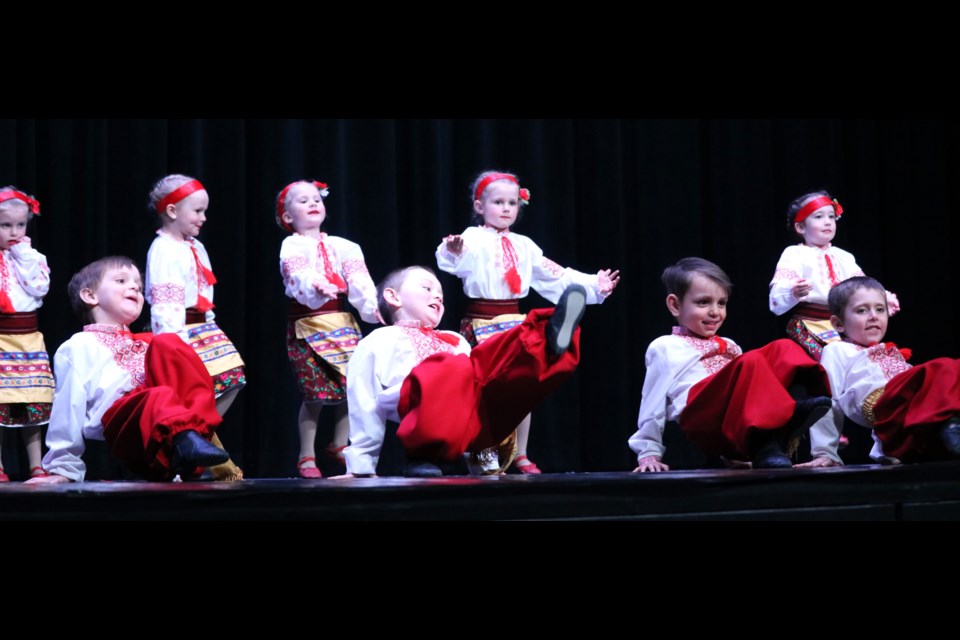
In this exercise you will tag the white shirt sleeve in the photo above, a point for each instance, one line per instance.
(550, 279)
(166, 287)
(67, 418)
(648, 439)
(362, 292)
(298, 262)
(368, 417)
(30, 269)
(838, 358)
(462, 265)
(789, 268)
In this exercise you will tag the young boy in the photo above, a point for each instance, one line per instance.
(447, 399)
(152, 402)
(913, 410)
(728, 403)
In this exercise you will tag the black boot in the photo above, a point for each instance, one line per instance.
(767, 450)
(950, 435)
(422, 469)
(565, 319)
(190, 451)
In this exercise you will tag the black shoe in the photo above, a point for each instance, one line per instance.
(950, 435)
(767, 450)
(422, 469)
(806, 414)
(565, 319)
(190, 451)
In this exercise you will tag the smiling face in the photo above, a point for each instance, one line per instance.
(304, 209)
(499, 204)
(820, 227)
(13, 223)
(703, 307)
(864, 317)
(419, 298)
(117, 298)
(185, 219)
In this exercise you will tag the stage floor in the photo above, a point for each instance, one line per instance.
(860, 492)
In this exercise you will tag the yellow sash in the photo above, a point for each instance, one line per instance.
(214, 347)
(25, 373)
(332, 336)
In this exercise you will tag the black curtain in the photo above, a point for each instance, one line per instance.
(630, 194)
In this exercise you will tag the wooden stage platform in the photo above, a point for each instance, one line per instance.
(860, 492)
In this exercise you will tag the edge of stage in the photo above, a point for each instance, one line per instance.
(856, 492)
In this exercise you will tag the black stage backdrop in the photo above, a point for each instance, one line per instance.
(630, 194)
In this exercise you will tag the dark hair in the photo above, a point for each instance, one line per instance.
(475, 217)
(89, 278)
(394, 280)
(841, 293)
(797, 204)
(677, 278)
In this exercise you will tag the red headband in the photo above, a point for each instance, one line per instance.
(816, 203)
(179, 194)
(19, 195)
(321, 187)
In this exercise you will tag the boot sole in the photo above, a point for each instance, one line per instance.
(573, 309)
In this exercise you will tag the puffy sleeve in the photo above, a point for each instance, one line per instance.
(789, 268)
(67, 417)
(459, 265)
(166, 291)
(550, 279)
(30, 267)
(368, 417)
(648, 439)
(361, 291)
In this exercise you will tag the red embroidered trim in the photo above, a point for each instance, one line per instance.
(167, 293)
(549, 265)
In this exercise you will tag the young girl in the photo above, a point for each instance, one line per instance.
(26, 382)
(498, 267)
(807, 270)
(319, 271)
(179, 288)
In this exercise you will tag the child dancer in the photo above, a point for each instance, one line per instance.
(728, 403)
(179, 288)
(26, 382)
(320, 271)
(447, 398)
(498, 267)
(152, 402)
(807, 270)
(914, 410)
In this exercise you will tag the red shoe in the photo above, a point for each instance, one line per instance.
(4, 477)
(38, 472)
(529, 467)
(310, 473)
(336, 454)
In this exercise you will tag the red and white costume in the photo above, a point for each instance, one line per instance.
(717, 393)
(904, 404)
(26, 379)
(181, 299)
(114, 386)
(447, 398)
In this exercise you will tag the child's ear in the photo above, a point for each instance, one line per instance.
(673, 304)
(837, 323)
(478, 207)
(798, 227)
(171, 211)
(392, 297)
(286, 217)
(88, 296)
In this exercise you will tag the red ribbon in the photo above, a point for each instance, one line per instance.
(890, 348)
(816, 203)
(332, 276)
(721, 345)
(510, 273)
(283, 196)
(13, 194)
(6, 305)
(834, 281)
(179, 194)
(203, 304)
(493, 177)
(433, 333)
